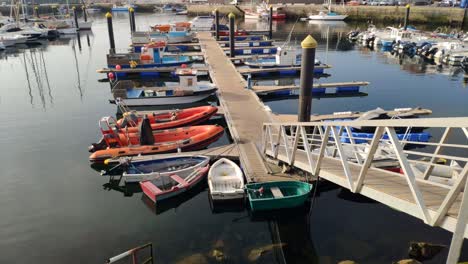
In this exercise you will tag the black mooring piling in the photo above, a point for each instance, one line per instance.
(132, 19)
(307, 78)
(75, 17)
(217, 24)
(85, 15)
(270, 29)
(232, 45)
(407, 16)
(110, 29)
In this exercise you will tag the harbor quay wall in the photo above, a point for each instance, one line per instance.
(391, 14)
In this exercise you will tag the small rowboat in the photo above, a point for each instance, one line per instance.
(165, 120)
(277, 195)
(165, 187)
(144, 170)
(225, 180)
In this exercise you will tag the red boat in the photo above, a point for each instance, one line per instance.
(114, 144)
(168, 186)
(236, 33)
(165, 120)
(278, 16)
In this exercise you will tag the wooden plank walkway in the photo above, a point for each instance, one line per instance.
(278, 69)
(155, 69)
(244, 112)
(348, 115)
(383, 186)
(250, 48)
(277, 88)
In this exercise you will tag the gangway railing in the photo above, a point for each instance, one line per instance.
(418, 166)
(133, 254)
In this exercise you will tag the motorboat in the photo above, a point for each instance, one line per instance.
(147, 142)
(189, 90)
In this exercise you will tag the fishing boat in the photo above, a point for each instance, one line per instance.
(152, 168)
(114, 144)
(162, 188)
(225, 180)
(277, 194)
(167, 119)
(189, 90)
(152, 55)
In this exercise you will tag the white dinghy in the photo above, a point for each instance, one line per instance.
(226, 180)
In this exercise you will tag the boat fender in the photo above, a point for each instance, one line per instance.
(146, 132)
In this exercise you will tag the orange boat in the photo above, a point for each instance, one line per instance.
(161, 28)
(146, 142)
(166, 120)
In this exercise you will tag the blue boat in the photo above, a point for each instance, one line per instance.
(151, 57)
(124, 8)
(360, 138)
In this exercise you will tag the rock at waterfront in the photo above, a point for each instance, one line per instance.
(218, 255)
(194, 259)
(407, 261)
(255, 254)
(424, 251)
(347, 262)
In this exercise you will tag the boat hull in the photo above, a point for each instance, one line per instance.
(299, 192)
(169, 100)
(328, 18)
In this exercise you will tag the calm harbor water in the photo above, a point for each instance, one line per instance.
(55, 208)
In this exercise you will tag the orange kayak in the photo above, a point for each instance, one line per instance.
(147, 142)
(166, 120)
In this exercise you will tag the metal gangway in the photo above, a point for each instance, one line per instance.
(392, 166)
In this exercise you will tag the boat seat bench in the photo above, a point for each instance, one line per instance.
(276, 192)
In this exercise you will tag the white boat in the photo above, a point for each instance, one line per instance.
(9, 40)
(226, 180)
(93, 10)
(82, 25)
(2, 46)
(252, 15)
(202, 23)
(152, 168)
(330, 16)
(187, 91)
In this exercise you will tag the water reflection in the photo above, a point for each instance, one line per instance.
(34, 64)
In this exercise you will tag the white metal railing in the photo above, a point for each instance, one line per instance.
(438, 164)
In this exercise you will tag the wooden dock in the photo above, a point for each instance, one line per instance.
(350, 115)
(155, 69)
(243, 110)
(270, 89)
(246, 71)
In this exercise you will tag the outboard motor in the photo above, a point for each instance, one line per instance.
(146, 132)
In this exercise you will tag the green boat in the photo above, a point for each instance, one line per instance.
(277, 195)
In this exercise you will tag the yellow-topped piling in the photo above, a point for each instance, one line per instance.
(309, 43)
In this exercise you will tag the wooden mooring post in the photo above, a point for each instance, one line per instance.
(110, 29)
(36, 11)
(309, 44)
(232, 37)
